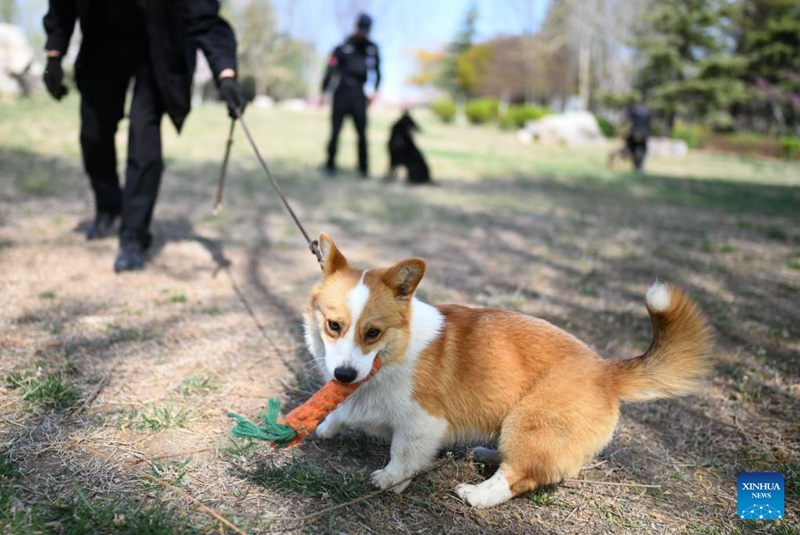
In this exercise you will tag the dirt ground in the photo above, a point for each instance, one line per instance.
(149, 363)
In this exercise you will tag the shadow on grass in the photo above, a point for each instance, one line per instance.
(735, 197)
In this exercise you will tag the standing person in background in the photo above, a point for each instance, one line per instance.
(153, 43)
(352, 62)
(639, 117)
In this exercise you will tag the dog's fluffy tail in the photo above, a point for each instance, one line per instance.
(678, 358)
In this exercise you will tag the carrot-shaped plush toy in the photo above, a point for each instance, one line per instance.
(301, 422)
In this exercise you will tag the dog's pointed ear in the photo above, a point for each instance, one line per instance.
(332, 259)
(404, 277)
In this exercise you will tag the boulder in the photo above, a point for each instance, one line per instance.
(575, 128)
(667, 147)
(19, 70)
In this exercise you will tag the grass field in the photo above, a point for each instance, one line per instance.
(114, 389)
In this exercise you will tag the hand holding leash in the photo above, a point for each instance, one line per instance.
(313, 245)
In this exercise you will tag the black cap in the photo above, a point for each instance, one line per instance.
(364, 22)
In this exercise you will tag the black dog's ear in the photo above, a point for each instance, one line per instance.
(411, 121)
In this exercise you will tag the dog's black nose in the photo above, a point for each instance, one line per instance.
(345, 375)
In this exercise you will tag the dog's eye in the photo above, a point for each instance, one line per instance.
(372, 333)
(334, 326)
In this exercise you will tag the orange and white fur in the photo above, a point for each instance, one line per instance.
(455, 374)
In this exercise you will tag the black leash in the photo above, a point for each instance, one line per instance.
(312, 244)
(224, 170)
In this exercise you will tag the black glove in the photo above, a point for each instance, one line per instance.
(233, 96)
(54, 78)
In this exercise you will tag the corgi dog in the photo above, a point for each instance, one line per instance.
(458, 374)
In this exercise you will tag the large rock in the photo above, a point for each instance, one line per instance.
(575, 128)
(666, 147)
(19, 70)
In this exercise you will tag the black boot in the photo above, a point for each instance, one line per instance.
(130, 256)
(102, 226)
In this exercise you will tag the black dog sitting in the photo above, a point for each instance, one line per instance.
(403, 152)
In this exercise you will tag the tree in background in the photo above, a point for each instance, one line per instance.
(472, 67)
(428, 64)
(688, 69)
(277, 64)
(728, 65)
(8, 10)
(450, 77)
(769, 43)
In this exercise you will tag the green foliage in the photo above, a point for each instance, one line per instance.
(518, 114)
(445, 110)
(744, 144)
(472, 65)
(791, 147)
(270, 61)
(615, 101)
(449, 78)
(606, 127)
(481, 110)
(689, 70)
(691, 134)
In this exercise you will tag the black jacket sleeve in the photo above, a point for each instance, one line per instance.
(334, 63)
(377, 68)
(212, 33)
(59, 23)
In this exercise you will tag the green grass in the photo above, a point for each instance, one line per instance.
(292, 141)
(542, 497)
(175, 296)
(793, 260)
(119, 334)
(179, 297)
(309, 480)
(49, 391)
(21, 513)
(240, 449)
(197, 384)
(160, 417)
(356, 445)
(172, 473)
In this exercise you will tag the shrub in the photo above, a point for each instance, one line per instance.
(691, 134)
(791, 147)
(517, 115)
(481, 110)
(445, 110)
(745, 143)
(606, 127)
(720, 122)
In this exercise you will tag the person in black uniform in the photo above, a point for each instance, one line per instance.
(639, 117)
(352, 62)
(154, 43)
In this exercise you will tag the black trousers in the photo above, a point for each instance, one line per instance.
(349, 101)
(637, 146)
(103, 91)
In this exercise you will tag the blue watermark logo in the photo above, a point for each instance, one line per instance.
(760, 496)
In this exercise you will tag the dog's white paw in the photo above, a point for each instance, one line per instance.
(328, 429)
(491, 492)
(473, 495)
(385, 478)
